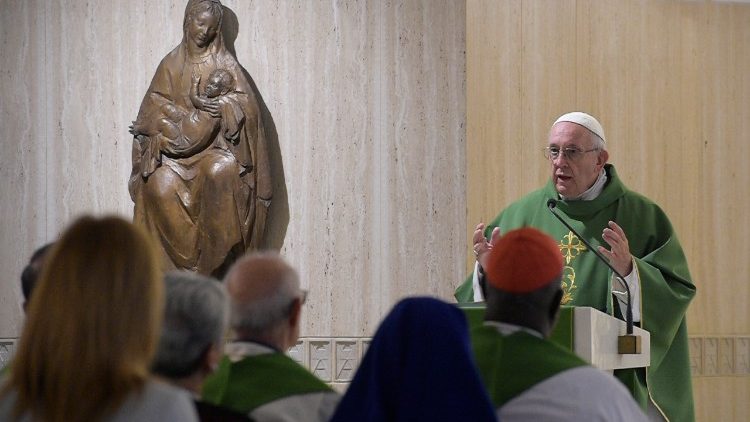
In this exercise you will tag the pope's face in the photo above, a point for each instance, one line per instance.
(572, 177)
(202, 28)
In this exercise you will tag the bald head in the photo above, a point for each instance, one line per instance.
(265, 299)
(259, 276)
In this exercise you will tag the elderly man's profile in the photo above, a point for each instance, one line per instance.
(201, 179)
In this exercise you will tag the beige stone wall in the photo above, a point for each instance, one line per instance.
(366, 111)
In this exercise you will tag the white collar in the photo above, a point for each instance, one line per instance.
(592, 192)
(238, 350)
(507, 329)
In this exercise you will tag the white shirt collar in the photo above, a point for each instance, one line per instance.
(507, 329)
(238, 350)
(592, 192)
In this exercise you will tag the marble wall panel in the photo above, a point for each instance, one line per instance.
(24, 153)
(364, 103)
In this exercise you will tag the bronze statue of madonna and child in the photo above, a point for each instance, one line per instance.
(201, 181)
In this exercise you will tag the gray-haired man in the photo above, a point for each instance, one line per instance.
(256, 377)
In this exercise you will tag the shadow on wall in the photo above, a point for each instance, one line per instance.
(278, 214)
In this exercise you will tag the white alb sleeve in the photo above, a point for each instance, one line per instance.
(620, 292)
(478, 297)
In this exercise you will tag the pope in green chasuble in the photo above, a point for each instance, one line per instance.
(659, 266)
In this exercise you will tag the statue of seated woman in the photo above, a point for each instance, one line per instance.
(201, 178)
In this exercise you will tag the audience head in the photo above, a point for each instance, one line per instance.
(30, 273)
(523, 272)
(265, 300)
(419, 366)
(195, 321)
(92, 323)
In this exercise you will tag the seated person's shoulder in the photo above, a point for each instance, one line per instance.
(208, 412)
(157, 401)
(582, 393)
(314, 407)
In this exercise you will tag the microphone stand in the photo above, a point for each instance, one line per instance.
(629, 343)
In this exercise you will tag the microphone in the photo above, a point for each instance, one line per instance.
(624, 342)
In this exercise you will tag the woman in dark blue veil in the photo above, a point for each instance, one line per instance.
(419, 367)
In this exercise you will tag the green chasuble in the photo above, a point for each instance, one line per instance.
(503, 361)
(257, 380)
(665, 282)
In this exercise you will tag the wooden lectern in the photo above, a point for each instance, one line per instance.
(590, 333)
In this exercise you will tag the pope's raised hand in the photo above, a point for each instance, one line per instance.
(481, 244)
(619, 252)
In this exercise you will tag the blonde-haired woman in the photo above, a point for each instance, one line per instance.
(91, 332)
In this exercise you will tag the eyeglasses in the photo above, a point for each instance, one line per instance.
(570, 154)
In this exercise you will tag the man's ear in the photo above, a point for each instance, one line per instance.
(554, 307)
(212, 357)
(602, 158)
(295, 312)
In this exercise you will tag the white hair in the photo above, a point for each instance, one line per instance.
(597, 141)
(195, 318)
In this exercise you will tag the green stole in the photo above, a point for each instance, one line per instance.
(666, 285)
(256, 380)
(510, 365)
